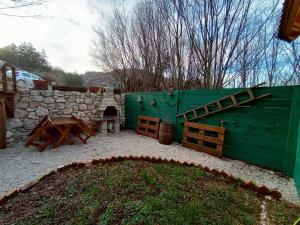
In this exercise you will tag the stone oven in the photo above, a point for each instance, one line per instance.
(109, 118)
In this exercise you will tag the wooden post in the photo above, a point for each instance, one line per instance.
(2, 123)
(14, 79)
(4, 80)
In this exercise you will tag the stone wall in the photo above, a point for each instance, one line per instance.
(32, 105)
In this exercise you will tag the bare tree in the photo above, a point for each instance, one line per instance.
(188, 44)
(19, 8)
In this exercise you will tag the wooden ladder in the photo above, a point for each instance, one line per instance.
(218, 105)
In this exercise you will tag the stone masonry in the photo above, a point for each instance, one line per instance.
(32, 105)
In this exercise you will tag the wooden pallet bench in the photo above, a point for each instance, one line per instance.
(204, 138)
(148, 126)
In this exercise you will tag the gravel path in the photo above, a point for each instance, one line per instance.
(20, 165)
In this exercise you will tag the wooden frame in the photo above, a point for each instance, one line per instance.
(204, 138)
(204, 110)
(8, 94)
(3, 68)
(148, 126)
(2, 123)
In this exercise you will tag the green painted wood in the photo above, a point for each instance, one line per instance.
(290, 154)
(257, 133)
(297, 165)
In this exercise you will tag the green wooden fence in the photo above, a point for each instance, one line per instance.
(297, 165)
(262, 132)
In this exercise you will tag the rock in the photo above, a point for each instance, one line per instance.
(60, 106)
(14, 123)
(91, 107)
(33, 116)
(49, 100)
(29, 124)
(34, 104)
(60, 100)
(79, 100)
(20, 113)
(67, 111)
(34, 92)
(51, 107)
(42, 111)
(68, 93)
(36, 98)
(75, 108)
(9, 134)
(30, 109)
(71, 100)
(88, 101)
(82, 107)
(80, 114)
(59, 93)
(46, 93)
(25, 99)
(22, 105)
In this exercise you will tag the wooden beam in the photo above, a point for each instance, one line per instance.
(4, 79)
(290, 16)
(14, 79)
(2, 123)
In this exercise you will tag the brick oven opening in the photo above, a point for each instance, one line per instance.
(110, 111)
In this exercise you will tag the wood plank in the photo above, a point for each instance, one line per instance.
(233, 99)
(185, 117)
(2, 123)
(250, 93)
(205, 127)
(206, 109)
(4, 79)
(153, 119)
(14, 79)
(219, 104)
(195, 113)
(215, 152)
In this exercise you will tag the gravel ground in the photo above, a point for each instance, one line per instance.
(21, 165)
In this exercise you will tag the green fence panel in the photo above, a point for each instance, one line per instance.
(297, 165)
(290, 153)
(257, 132)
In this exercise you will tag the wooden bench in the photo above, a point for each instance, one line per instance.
(204, 138)
(57, 130)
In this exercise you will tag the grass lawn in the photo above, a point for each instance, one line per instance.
(140, 192)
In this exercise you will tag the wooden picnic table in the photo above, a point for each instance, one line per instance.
(56, 130)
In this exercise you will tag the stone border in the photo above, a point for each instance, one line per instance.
(263, 190)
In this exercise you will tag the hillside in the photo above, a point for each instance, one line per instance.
(98, 79)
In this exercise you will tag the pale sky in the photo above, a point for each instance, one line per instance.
(66, 32)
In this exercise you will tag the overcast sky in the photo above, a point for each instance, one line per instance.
(65, 32)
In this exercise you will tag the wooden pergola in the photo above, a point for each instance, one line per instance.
(289, 28)
(6, 92)
(4, 67)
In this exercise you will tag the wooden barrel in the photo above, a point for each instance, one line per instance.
(165, 135)
(2, 123)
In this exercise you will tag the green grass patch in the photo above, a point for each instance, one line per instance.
(138, 192)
